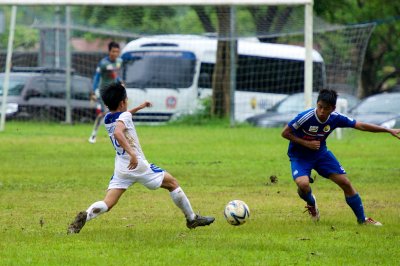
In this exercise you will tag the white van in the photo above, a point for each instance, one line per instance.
(175, 71)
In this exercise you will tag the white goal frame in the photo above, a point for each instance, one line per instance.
(308, 29)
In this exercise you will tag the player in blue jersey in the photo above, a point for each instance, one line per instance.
(307, 134)
(107, 71)
(131, 165)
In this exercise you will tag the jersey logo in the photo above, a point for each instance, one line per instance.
(327, 128)
(313, 129)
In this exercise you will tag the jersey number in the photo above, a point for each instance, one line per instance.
(117, 147)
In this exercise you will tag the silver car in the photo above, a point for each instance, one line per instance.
(284, 111)
(380, 109)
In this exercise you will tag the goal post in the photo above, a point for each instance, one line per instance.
(279, 51)
(308, 64)
(7, 68)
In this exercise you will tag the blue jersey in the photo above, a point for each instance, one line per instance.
(306, 125)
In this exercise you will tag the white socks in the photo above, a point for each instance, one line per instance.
(178, 196)
(180, 200)
(96, 209)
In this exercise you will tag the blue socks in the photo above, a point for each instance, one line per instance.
(307, 197)
(355, 204)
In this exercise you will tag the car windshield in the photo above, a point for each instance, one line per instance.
(383, 103)
(293, 104)
(16, 84)
(159, 69)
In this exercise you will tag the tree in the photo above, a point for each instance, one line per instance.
(382, 56)
(221, 99)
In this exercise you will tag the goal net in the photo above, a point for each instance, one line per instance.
(177, 56)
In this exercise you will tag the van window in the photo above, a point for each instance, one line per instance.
(56, 88)
(37, 86)
(16, 85)
(152, 69)
(254, 75)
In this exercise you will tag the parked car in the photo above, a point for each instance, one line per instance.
(39, 93)
(284, 111)
(380, 109)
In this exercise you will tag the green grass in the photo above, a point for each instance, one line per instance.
(49, 172)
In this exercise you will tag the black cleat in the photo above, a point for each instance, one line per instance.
(76, 226)
(199, 221)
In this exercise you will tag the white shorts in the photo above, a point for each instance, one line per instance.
(149, 175)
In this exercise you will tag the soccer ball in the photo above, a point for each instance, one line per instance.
(236, 212)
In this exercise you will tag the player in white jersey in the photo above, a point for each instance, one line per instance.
(131, 165)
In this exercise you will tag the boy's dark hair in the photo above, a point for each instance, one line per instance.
(113, 94)
(113, 44)
(328, 96)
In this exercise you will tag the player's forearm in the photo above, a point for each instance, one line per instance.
(140, 107)
(370, 127)
(123, 142)
(96, 81)
(136, 109)
(288, 134)
(296, 139)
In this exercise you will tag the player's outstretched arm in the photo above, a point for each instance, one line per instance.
(140, 107)
(375, 128)
(119, 135)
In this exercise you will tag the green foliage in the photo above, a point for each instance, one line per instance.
(25, 37)
(142, 20)
(49, 172)
(384, 47)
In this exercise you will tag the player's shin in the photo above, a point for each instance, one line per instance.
(96, 209)
(183, 203)
(307, 197)
(356, 205)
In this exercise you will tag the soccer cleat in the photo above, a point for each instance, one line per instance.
(76, 226)
(371, 221)
(199, 221)
(313, 211)
(92, 139)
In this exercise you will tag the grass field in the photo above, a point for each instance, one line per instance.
(49, 172)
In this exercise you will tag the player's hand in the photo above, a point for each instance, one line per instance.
(147, 104)
(93, 97)
(133, 163)
(395, 132)
(314, 144)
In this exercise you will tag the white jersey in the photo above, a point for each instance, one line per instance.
(122, 158)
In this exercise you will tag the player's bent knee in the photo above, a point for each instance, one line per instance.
(169, 182)
(303, 183)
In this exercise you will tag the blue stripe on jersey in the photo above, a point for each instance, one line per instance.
(111, 117)
(303, 119)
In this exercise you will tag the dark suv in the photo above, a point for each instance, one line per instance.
(40, 93)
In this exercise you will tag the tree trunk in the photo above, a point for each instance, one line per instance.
(221, 77)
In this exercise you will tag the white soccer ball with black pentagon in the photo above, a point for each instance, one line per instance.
(236, 212)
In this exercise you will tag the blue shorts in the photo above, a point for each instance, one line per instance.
(325, 165)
